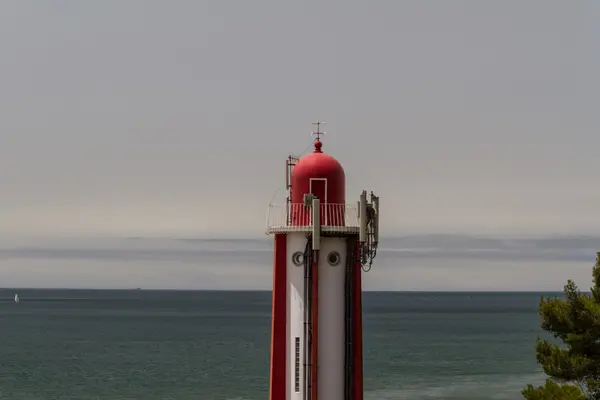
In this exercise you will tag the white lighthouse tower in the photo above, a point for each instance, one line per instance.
(321, 246)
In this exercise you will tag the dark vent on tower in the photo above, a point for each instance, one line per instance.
(297, 366)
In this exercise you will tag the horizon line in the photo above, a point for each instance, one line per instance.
(141, 289)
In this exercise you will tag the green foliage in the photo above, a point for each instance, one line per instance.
(552, 391)
(575, 321)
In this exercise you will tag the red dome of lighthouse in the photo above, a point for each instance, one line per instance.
(320, 174)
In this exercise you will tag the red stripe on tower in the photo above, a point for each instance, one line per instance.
(358, 329)
(277, 388)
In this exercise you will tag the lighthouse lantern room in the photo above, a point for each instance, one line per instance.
(322, 245)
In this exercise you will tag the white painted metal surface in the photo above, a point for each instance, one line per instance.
(331, 320)
(295, 314)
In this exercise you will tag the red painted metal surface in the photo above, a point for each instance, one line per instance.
(317, 166)
(358, 329)
(277, 387)
(315, 327)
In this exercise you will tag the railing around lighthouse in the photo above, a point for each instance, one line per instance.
(297, 217)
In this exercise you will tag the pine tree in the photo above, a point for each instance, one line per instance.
(576, 365)
(553, 391)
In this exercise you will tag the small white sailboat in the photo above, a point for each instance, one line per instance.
(16, 298)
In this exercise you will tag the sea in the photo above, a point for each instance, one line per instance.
(130, 344)
(133, 337)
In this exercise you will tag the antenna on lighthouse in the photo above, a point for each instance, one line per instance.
(318, 133)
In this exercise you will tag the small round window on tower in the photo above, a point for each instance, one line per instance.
(334, 258)
(298, 258)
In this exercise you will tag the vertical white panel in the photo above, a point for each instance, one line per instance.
(331, 320)
(295, 315)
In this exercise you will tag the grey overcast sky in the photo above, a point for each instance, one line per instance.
(174, 118)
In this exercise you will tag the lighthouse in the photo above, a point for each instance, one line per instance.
(322, 245)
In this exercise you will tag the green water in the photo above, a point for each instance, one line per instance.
(74, 344)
